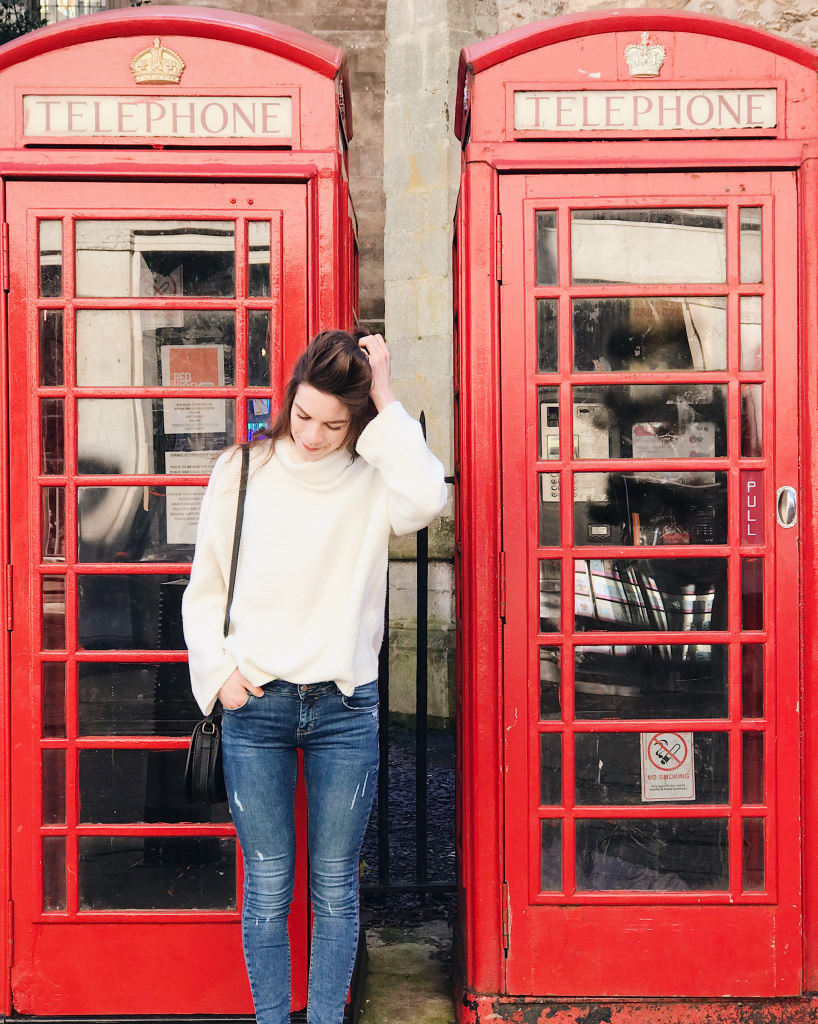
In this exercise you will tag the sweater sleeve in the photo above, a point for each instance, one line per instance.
(393, 443)
(205, 598)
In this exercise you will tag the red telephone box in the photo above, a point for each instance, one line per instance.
(176, 224)
(635, 363)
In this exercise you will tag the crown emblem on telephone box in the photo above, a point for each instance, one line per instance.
(157, 65)
(644, 59)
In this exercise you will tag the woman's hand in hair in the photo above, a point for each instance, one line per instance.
(379, 362)
(233, 692)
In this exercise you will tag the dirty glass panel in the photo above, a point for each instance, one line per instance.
(752, 767)
(650, 593)
(152, 435)
(127, 699)
(649, 246)
(53, 786)
(258, 258)
(650, 421)
(51, 338)
(54, 894)
(551, 855)
(53, 608)
(259, 416)
(547, 247)
(548, 402)
(550, 595)
(652, 854)
(752, 593)
(53, 699)
(550, 769)
(50, 232)
(119, 785)
(550, 680)
(750, 245)
(751, 421)
(650, 509)
(52, 436)
(157, 873)
(752, 681)
(547, 337)
(549, 510)
(608, 768)
(130, 612)
(52, 524)
(137, 524)
(651, 681)
(751, 341)
(258, 348)
(177, 348)
(752, 860)
(158, 259)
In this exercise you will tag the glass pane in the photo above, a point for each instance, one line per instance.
(54, 895)
(750, 230)
(138, 785)
(549, 515)
(650, 593)
(550, 768)
(650, 508)
(144, 435)
(52, 524)
(551, 854)
(259, 416)
(54, 786)
(751, 346)
(752, 593)
(547, 337)
(651, 681)
(51, 347)
(549, 422)
(159, 259)
(52, 435)
(652, 246)
(650, 421)
(53, 605)
(609, 768)
(751, 423)
(177, 348)
(137, 524)
(752, 767)
(135, 700)
(550, 595)
(654, 854)
(752, 681)
(640, 335)
(53, 699)
(258, 244)
(258, 351)
(50, 258)
(157, 873)
(550, 678)
(130, 612)
(752, 860)
(547, 247)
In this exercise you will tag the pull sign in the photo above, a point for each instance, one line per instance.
(786, 507)
(752, 506)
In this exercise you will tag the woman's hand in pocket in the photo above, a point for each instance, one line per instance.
(235, 690)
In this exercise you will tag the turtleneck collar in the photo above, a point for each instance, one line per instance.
(320, 475)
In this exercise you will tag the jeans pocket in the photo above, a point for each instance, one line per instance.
(241, 707)
(363, 698)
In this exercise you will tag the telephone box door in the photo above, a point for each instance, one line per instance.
(150, 324)
(651, 683)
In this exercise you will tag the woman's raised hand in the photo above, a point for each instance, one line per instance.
(379, 362)
(233, 692)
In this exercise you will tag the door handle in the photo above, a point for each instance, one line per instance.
(786, 507)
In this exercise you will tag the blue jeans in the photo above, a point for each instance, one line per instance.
(339, 738)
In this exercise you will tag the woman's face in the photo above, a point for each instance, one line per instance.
(318, 422)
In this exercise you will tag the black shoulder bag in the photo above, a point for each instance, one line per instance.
(204, 776)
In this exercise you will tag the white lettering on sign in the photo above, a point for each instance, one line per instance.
(169, 117)
(661, 110)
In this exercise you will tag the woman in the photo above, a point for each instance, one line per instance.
(342, 467)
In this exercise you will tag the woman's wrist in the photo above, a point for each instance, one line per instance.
(383, 398)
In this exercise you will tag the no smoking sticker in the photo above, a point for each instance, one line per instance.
(667, 766)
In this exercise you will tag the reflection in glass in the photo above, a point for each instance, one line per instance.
(157, 873)
(650, 509)
(550, 769)
(550, 595)
(752, 593)
(53, 699)
(750, 245)
(127, 699)
(51, 347)
(130, 612)
(651, 246)
(650, 421)
(650, 593)
(547, 338)
(258, 245)
(52, 435)
(548, 401)
(258, 348)
(551, 855)
(177, 348)
(259, 416)
(53, 786)
(52, 524)
(158, 259)
(752, 767)
(137, 524)
(752, 859)
(50, 232)
(152, 435)
(651, 681)
(54, 895)
(639, 335)
(752, 681)
(608, 768)
(549, 510)
(751, 434)
(550, 678)
(547, 247)
(750, 317)
(653, 854)
(53, 606)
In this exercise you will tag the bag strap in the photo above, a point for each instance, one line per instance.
(245, 465)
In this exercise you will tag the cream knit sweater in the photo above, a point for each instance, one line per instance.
(311, 579)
